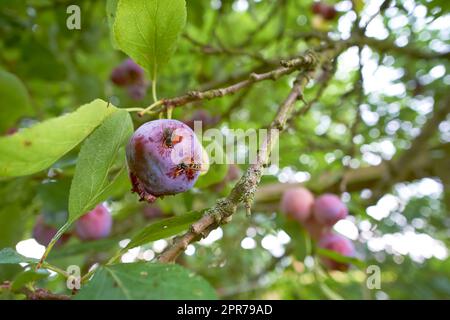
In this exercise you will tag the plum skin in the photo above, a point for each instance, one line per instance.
(163, 158)
(44, 233)
(339, 244)
(96, 224)
(329, 209)
(297, 203)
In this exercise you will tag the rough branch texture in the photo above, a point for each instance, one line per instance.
(245, 189)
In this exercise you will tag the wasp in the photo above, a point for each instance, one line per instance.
(188, 169)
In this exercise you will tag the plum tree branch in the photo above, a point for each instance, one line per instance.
(287, 67)
(244, 190)
(35, 294)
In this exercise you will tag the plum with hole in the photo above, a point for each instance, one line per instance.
(164, 158)
(43, 233)
(297, 203)
(94, 225)
(329, 209)
(339, 244)
(127, 73)
(326, 11)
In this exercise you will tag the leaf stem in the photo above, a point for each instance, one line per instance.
(155, 98)
(87, 275)
(169, 112)
(48, 266)
(52, 243)
(134, 109)
(114, 257)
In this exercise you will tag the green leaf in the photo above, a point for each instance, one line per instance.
(54, 195)
(164, 229)
(11, 256)
(300, 241)
(328, 292)
(340, 258)
(34, 149)
(148, 30)
(85, 248)
(145, 281)
(28, 276)
(12, 224)
(96, 160)
(15, 209)
(196, 12)
(111, 6)
(15, 102)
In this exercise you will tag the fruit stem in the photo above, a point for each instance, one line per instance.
(134, 109)
(169, 112)
(149, 108)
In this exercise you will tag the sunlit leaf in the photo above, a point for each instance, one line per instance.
(148, 30)
(34, 149)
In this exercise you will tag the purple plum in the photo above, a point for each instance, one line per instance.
(127, 73)
(95, 224)
(164, 158)
(297, 203)
(329, 209)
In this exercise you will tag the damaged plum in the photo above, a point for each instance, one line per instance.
(164, 158)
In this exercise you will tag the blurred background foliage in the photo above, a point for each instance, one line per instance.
(345, 144)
